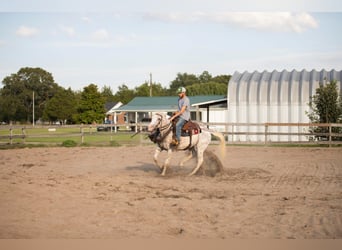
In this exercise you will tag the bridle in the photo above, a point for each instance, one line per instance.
(159, 124)
(160, 132)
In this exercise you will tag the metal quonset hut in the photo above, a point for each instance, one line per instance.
(277, 97)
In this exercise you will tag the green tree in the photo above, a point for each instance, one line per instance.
(62, 107)
(17, 94)
(91, 107)
(205, 77)
(326, 106)
(210, 88)
(221, 79)
(144, 90)
(182, 80)
(107, 94)
(124, 94)
(204, 84)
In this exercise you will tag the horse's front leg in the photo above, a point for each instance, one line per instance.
(167, 161)
(155, 157)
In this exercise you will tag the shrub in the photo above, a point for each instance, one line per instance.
(69, 143)
(114, 144)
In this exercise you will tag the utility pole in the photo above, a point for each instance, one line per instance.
(150, 84)
(33, 108)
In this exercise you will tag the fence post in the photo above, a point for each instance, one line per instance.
(82, 135)
(232, 133)
(266, 131)
(330, 134)
(11, 134)
(23, 135)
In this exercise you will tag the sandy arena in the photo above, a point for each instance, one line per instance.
(117, 193)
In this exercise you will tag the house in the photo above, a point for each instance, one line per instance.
(112, 117)
(143, 107)
(274, 97)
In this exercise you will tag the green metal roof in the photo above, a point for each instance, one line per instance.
(163, 103)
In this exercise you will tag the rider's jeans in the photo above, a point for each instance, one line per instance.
(179, 126)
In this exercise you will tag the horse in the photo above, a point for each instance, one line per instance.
(161, 132)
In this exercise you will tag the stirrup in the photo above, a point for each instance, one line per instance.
(174, 142)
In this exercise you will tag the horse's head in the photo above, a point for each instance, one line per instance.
(158, 120)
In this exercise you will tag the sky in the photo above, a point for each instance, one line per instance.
(111, 43)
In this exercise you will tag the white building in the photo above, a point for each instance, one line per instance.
(274, 97)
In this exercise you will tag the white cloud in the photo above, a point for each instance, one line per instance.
(273, 21)
(68, 30)
(2, 43)
(27, 31)
(86, 19)
(100, 35)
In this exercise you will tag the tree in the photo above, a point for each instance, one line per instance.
(210, 88)
(124, 94)
(91, 107)
(204, 84)
(17, 94)
(182, 80)
(144, 90)
(62, 107)
(205, 77)
(326, 106)
(107, 94)
(221, 79)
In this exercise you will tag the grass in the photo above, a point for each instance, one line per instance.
(44, 137)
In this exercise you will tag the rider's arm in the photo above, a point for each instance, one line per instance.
(178, 113)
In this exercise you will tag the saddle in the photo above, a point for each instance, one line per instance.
(189, 128)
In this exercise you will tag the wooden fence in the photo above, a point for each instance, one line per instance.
(272, 133)
(235, 133)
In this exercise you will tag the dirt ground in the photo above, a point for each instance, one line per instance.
(117, 193)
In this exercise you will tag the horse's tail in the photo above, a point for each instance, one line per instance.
(217, 134)
(222, 143)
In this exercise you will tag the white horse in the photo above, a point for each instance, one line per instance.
(196, 145)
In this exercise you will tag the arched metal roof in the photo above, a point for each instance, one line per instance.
(279, 97)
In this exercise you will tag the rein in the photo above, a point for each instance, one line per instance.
(163, 128)
(163, 134)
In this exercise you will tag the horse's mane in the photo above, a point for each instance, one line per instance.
(164, 114)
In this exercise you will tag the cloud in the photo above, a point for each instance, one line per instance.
(268, 21)
(68, 30)
(27, 31)
(100, 35)
(86, 19)
(176, 17)
(101, 39)
(274, 21)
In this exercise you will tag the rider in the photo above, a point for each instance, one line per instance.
(183, 113)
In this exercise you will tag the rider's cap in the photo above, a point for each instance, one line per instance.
(181, 90)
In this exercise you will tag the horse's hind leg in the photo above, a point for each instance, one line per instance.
(188, 157)
(199, 161)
